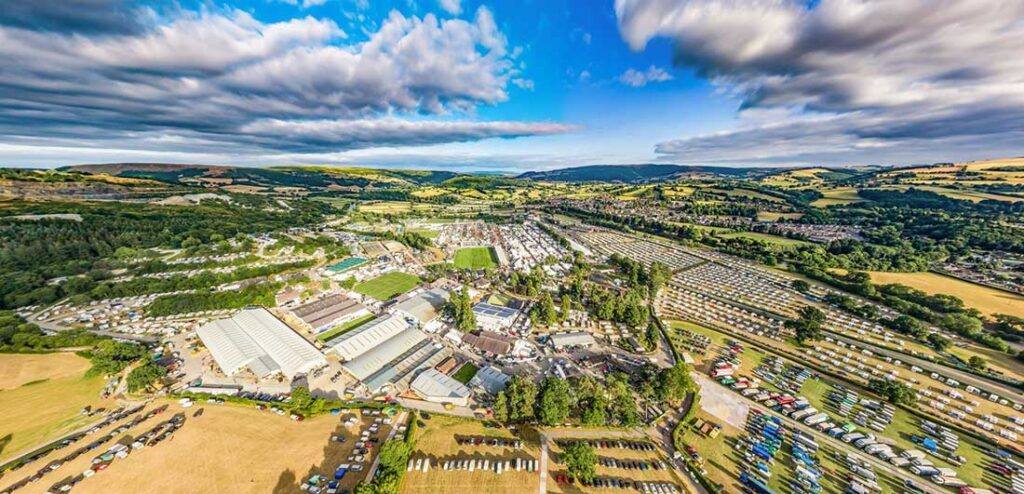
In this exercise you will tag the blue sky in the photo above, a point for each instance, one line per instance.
(474, 85)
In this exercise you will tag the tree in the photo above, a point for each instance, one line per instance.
(808, 325)
(894, 391)
(553, 401)
(145, 375)
(801, 286)
(977, 362)
(581, 461)
(500, 407)
(657, 276)
(522, 396)
(939, 342)
(566, 307)
(675, 382)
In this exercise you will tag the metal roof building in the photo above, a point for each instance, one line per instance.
(494, 317)
(489, 379)
(367, 363)
(424, 307)
(364, 338)
(577, 338)
(257, 340)
(488, 342)
(436, 387)
(329, 311)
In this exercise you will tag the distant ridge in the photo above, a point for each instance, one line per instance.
(636, 173)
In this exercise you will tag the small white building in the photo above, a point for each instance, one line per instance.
(572, 339)
(490, 380)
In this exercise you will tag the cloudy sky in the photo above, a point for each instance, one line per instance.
(510, 85)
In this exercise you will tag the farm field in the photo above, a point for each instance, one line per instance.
(765, 237)
(987, 300)
(388, 285)
(770, 216)
(388, 207)
(475, 258)
(437, 441)
(748, 194)
(965, 195)
(46, 407)
(837, 197)
(223, 450)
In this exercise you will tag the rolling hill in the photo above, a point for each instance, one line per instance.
(636, 173)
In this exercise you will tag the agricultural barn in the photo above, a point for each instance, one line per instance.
(489, 379)
(423, 307)
(330, 311)
(573, 339)
(364, 338)
(436, 387)
(257, 340)
(494, 317)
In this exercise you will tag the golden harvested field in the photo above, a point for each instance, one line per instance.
(229, 448)
(46, 407)
(987, 300)
(770, 216)
(437, 441)
(19, 369)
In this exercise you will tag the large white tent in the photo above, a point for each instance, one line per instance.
(368, 336)
(434, 386)
(257, 340)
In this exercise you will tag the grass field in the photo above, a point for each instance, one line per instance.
(770, 216)
(987, 300)
(465, 373)
(42, 398)
(355, 323)
(837, 197)
(437, 441)
(764, 237)
(388, 285)
(750, 194)
(475, 258)
(227, 449)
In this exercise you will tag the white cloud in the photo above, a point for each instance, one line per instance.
(210, 78)
(636, 78)
(896, 77)
(453, 7)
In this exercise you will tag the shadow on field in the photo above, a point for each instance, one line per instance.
(4, 441)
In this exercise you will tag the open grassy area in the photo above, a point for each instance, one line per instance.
(476, 258)
(765, 237)
(770, 216)
(50, 392)
(344, 328)
(987, 300)
(388, 285)
(750, 194)
(436, 440)
(465, 373)
(837, 197)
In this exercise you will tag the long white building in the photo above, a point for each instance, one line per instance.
(368, 336)
(256, 340)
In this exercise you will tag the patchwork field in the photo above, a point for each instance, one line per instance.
(770, 216)
(476, 258)
(388, 285)
(36, 410)
(987, 300)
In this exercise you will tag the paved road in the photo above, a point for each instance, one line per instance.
(543, 463)
(391, 435)
(975, 380)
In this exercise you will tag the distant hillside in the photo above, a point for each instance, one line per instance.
(635, 173)
(253, 178)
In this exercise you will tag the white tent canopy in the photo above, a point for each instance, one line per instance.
(254, 338)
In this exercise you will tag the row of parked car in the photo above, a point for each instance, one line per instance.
(609, 444)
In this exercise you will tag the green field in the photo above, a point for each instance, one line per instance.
(771, 239)
(388, 285)
(465, 373)
(355, 323)
(476, 258)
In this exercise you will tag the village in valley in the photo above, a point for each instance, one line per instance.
(575, 339)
